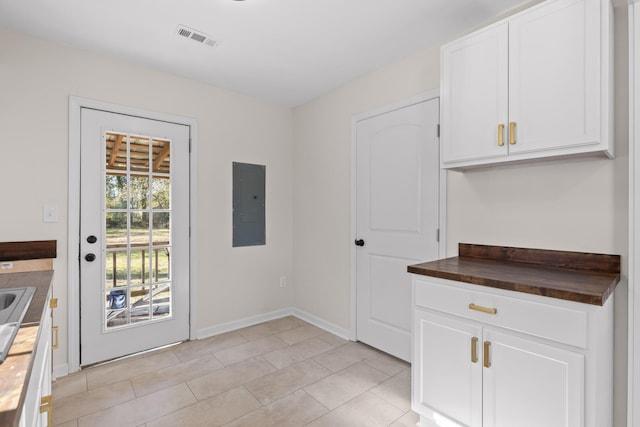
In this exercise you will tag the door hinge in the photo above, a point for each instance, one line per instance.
(438, 130)
(437, 235)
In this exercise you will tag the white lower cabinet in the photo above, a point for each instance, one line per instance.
(38, 403)
(447, 385)
(530, 384)
(513, 367)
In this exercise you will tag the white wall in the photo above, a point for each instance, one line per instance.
(579, 205)
(36, 79)
(322, 181)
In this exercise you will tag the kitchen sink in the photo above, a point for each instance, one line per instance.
(14, 303)
(6, 299)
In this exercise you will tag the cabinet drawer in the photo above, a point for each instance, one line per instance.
(561, 324)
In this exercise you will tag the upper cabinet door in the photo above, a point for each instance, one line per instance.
(534, 85)
(554, 76)
(474, 96)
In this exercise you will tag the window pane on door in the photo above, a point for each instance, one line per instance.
(161, 301)
(161, 264)
(160, 194)
(116, 268)
(160, 230)
(140, 304)
(139, 154)
(139, 231)
(116, 151)
(116, 192)
(139, 267)
(139, 197)
(116, 228)
(137, 218)
(161, 156)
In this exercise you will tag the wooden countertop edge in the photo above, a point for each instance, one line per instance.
(481, 265)
(34, 249)
(11, 409)
(580, 261)
(564, 294)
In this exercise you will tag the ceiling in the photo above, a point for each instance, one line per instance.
(284, 51)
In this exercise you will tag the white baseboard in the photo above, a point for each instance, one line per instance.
(242, 323)
(60, 370)
(323, 324)
(254, 320)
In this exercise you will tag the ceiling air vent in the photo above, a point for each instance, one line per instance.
(196, 35)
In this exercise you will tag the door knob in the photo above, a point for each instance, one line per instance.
(90, 257)
(359, 242)
(92, 239)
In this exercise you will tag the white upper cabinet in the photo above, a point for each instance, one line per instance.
(474, 98)
(534, 85)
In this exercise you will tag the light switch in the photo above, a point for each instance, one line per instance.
(49, 213)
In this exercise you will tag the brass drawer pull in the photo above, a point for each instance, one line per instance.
(500, 135)
(487, 362)
(512, 133)
(483, 309)
(474, 350)
(54, 345)
(46, 405)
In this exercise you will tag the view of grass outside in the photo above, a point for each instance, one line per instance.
(118, 235)
(137, 216)
(142, 198)
(139, 263)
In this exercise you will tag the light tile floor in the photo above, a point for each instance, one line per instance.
(285, 372)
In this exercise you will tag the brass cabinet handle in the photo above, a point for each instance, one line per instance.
(512, 133)
(46, 405)
(474, 350)
(500, 135)
(486, 361)
(54, 344)
(483, 309)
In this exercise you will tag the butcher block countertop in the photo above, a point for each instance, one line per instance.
(15, 371)
(23, 264)
(573, 276)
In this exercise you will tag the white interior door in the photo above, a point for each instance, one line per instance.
(134, 234)
(397, 183)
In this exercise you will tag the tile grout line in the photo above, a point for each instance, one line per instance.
(288, 349)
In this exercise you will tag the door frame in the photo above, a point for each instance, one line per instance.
(442, 197)
(633, 337)
(73, 226)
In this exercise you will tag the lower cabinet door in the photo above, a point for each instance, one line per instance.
(529, 384)
(447, 370)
